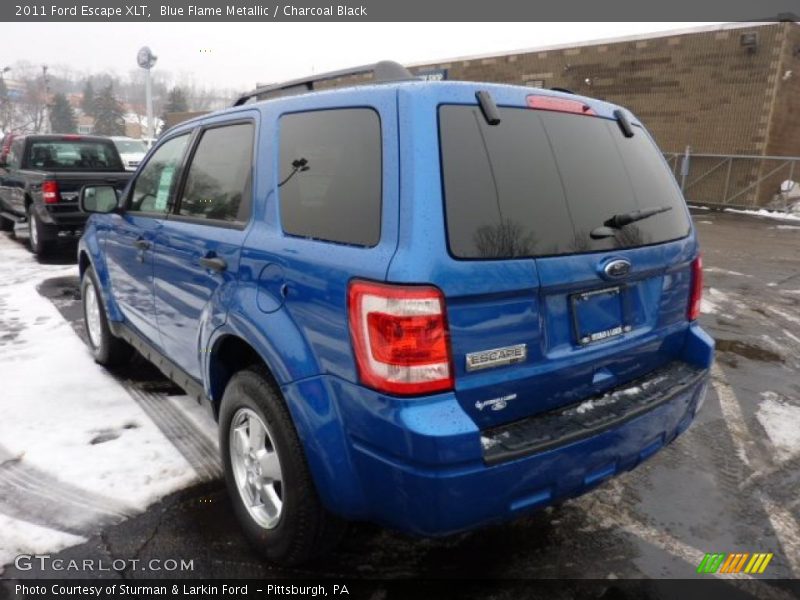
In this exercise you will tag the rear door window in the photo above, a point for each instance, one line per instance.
(330, 175)
(218, 183)
(540, 181)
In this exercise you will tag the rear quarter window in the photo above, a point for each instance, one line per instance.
(540, 181)
(330, 175)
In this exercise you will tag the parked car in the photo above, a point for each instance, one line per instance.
(40, 180)
(432, 305)
(131, 151)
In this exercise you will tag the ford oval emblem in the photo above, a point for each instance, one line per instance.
(618, 268)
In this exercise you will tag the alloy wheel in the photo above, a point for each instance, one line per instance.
(256, 468)
(91, 309)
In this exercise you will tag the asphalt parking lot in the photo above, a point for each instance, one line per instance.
(728, 485)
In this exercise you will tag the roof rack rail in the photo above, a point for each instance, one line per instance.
(385, 71)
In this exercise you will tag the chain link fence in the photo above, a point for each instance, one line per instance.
(737, 180)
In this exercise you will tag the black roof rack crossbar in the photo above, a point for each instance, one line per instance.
(385, 71)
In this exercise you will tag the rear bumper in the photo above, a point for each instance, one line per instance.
(582, 420)
(421, 465)
(61, 217)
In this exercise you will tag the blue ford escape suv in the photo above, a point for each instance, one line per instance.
(432, 305)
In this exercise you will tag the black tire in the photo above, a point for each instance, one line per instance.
(6, 224)
(39, 235)
(108, 350)
(304, 529)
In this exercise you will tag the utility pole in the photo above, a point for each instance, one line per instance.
(46, 118)
(5, 102)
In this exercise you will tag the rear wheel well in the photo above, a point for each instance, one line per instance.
(230, 355)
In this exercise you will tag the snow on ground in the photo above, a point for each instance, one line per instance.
(707, 307)
(786, 227)
(793, 318)
(64, 414)
(197, 414)
(779, 419)
(712, 297)
(718, 295)
(766, 213)
(21, 537)
(724, 271)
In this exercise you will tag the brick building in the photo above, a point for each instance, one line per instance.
(732, 89)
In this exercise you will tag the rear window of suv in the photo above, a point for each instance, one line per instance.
(539, 182)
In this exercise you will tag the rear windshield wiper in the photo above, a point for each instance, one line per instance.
(619, 221)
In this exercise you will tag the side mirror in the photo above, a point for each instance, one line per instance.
(98, 199)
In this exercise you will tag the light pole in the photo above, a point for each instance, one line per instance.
(147, 60)
(46, 82)
(4, 102)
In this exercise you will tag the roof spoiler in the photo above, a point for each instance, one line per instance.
(385, 71)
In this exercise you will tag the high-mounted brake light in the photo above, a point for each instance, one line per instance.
(696, 289)
(559, 105)
(400, 338)
(71, 137)
(50, 193)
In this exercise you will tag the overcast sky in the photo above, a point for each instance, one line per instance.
(240, 54)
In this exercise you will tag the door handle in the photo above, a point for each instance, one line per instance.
(215, 263)
(142, 244)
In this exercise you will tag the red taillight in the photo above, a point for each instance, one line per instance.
(50, 193)
(400, 338)
(559, 105)
(696, 289)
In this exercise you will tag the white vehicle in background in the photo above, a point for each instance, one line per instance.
(131, 151)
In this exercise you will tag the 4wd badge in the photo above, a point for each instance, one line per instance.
(495, 358)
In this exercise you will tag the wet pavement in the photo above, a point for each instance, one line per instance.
(729, 484)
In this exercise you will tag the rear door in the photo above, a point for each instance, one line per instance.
(558, 309)
(198, 247)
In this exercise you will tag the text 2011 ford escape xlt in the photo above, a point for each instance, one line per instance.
(431, 305)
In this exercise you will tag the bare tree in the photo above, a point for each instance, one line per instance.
(24, 107)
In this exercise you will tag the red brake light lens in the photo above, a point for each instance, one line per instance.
(696, 289)
(50, 193)
(400, 338)
(559, 105)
